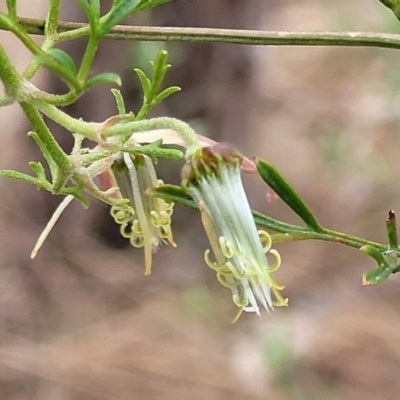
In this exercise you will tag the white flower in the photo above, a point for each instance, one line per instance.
(146, 220)
(212, 177)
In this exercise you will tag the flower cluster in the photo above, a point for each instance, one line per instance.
(212, 178)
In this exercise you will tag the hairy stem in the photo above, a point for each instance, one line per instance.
(52, 18)
(9, 76)
(40, 127)
(72, 30)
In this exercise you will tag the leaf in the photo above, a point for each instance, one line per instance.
(271, 223)
(63, 59)
(145, 81)
(155, 150)
(76, 191)
(166, 93)
(50, 161)
(18, 176)
(38, 169)
(12, 9)
(119, 100)
(118, 12)
(152, 3)
(92, 11)
(394, 5)
(174, 194)
(391, 228)
(282, 188)
(379, 274)
(66, 72)
(107, 77)
(159, 69)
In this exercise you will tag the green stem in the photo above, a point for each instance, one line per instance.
(53, 148)
(34, 64)
(182, 128)
(327, 235)
(9, 76)
(88, 57)
(88, 129)
(52, 18)
(288, 232)
(73, 30)
(50, 31)
(98, 131)
(7, 24)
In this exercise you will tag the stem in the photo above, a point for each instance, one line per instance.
(327, 235)
(53, 148)
(88, 129)
(7, 24)
(9, 76)
(88, 57)
(288, 232)
(52, 18)
(73, 30)
(98, 131)
(182, 128)
(50, 31)
(34, 65)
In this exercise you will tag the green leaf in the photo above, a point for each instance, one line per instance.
(152, 3)
(278, 226)
(76, 191)
(92, 11)
(63, 66)
(119, 100)
(18, 176)
(394, 5)
(391, 227)
(159, 70)
(282, 188)
(38, 169)
(12, 9)
(379, 274)
(50, 160)
(63, 59)
(145, 81)
(166, 93)
(84, 4)
(376, 276)
(107, 77)
(154, 151)
(95, 6)
(118, 12)
(173, 194)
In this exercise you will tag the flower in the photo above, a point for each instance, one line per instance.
(212, 177)
(145, 220)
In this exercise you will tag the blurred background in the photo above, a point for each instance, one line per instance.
(82, 322)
